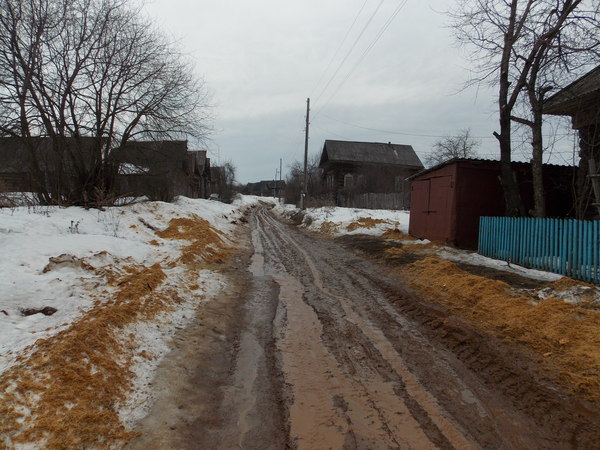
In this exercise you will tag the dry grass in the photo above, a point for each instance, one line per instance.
(66, 393)
(568, 336)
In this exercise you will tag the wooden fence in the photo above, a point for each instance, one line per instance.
(396, 200)
(565, 246)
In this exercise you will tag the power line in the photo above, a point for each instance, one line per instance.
(340, 46)
(349, 51)
(396, 132)
(403, 133)
(365, 53)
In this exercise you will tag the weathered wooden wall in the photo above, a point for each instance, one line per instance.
(396, 200)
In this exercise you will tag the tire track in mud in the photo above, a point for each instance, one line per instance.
(369, 370)
(377, 329)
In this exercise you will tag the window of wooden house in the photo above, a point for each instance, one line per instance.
(330, 181)
(348, 180)
(361, 180)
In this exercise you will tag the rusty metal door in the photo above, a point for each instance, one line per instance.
(439, 215)
(430, 213)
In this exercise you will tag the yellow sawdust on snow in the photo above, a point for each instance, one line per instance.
(565, 283)
(67, 391)
(329, 227)
(206, 244)
(395, 233)
(365, 222)
(567, 335)
(65, 394)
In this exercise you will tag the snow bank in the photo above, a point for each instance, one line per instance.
(342, 221)
(31, 237)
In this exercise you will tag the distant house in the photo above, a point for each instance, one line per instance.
(25, 166)
(581, 101)
(199, 171)
(447, 200)
(368, 174)
(158, 169)
(266, 188)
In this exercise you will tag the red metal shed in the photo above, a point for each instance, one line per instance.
(448, 200)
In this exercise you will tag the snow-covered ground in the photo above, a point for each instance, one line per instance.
(341, 221)
(55, 260)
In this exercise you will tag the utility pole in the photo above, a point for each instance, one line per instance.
(280, 179)
(303, 194)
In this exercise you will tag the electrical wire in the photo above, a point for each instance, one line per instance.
(349, 52)
(402, 133)
(382, 30)
(340, 46)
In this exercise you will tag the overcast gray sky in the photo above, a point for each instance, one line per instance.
(397, 77)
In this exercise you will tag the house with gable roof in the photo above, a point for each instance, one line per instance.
(368, 174)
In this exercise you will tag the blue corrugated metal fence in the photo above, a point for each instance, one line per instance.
(564, 246)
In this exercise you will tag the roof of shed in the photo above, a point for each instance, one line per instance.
(477, 161)
(570, 97)
(369, 152)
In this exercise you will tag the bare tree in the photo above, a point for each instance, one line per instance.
(576, 46)
(90, 75)
(295, 177)
(509, 39)
(461, 145)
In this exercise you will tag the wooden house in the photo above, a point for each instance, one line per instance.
(359, 173)
(447, 200)
(26, 165)
(266, 188)
(581, 101)
(162, 169)
(157, 169)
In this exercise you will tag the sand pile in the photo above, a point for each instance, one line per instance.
(396, 234)
(66, 392)
(330, 228)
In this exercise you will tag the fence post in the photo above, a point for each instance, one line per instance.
(596, 245)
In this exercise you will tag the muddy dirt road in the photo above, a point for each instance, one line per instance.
(316, 347)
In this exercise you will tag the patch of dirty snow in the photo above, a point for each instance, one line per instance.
(349, 221)
(480, 260)
(30, 237)
(154, 340)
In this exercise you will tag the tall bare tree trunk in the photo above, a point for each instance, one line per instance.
(536, 100)
(506, 102)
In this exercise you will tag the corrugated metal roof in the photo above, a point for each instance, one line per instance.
(566, 98)
(369, 152)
